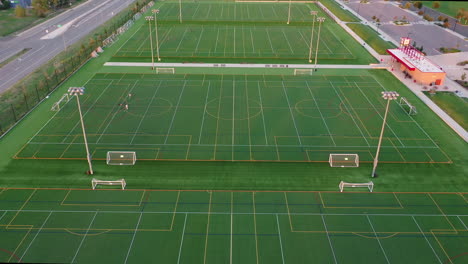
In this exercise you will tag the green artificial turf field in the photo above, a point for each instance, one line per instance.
(240, 32)
(233, 117)
(141, 226)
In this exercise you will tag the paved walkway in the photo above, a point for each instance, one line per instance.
(245, 65)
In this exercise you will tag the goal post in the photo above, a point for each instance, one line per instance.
(409, 108)
(121, 158)
(61, 102)
(368, 185)
(303, 71)
(96, 182)
(343, 160)
(165, 70)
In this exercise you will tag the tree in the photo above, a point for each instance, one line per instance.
(374, 17)
(407, 5)
(446, 24)
(418, 4)
(41, 7)
(4, 4)
(436, 4)
(463, 76)
(20, 11)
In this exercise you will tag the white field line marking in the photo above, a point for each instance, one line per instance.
(181, 39)
(279, 237)
(307, 43)
(182, 239)
(320, 112)
(292, 114)
(161, 43)
(287, 41)
(261, 109)
(114, 115)
(133, 238)
(234, 41)
(204, 112)
(199, 39)
(232, 208)
(233, 116)
(276, 15)
(208, 12)
(39, 231)
(329, 240)
(144, 41)
(375, 108)
(427, 240)
(207, 228)
(457, 217)
(218, 115)
(346, 47)
(175, 112)
(376, 237)
(354, 121)
(252, 40)
(89, 109)
(269, 40)
(195, 12)
(4, 213)
(82, 240)
(216, 43)
(248, 119)
(424, 131)
(146, 111)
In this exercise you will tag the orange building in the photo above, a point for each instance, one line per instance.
(417, 66)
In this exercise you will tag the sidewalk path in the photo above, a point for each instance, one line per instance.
(245, 65)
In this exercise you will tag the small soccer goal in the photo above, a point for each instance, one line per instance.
(409, 108)
(96, 182)
(303, 71)
(165, 70)
(121, 158)
(61, 102)
(343, 160)
(368, 185)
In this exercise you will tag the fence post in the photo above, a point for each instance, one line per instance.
(13, 111)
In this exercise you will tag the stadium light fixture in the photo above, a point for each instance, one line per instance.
(320, 20)
(313, 13)
(149, 18)
(77, 91)
(156, 11)
(389, 96)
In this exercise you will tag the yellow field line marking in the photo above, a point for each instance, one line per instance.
(289, 212)
(460, 194)
(3, 189)
(442, 247)
(77, 234)
(175, 211)
(255, 226)
(374, 237)
(360, 207)
(98, 204)
(21, 208)
(207, 227)
(20, 243)
(443, 213)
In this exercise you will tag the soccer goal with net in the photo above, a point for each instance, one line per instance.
(121, 158)
(409, 108)
(343, 160)
(368, 185)
(303, 71)
(61, 102)
(96, 182)
(165, 70)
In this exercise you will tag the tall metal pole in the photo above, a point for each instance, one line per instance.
(320, 20)
(76, 91)
(156, 11)
(389, 96)
(289, 12)
(180, 11)
(314, 13)
(149, 18)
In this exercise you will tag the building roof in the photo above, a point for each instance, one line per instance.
(419, 62)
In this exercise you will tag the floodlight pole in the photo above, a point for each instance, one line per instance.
(389, 96)
(320, 20)
(314, 13)
(180, 11)
(156, 11)
(149, 18)
(76, 91)
(289, 12)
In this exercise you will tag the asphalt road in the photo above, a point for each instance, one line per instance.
(51, 37)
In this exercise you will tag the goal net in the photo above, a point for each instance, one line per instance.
(303, 71)
(409, 108)
(344, 160)
(61, 102)
(121, 158)
(165, 70)
(368, 185)
(96, 182)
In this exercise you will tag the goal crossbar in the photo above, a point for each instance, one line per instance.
(165, 70)
(95, 182)
(369, 185)
(303, 71)
(411, 108)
